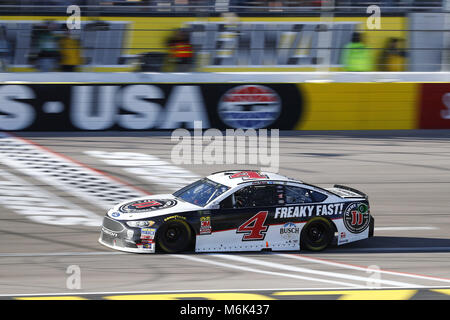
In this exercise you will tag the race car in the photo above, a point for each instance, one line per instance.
(236, 210)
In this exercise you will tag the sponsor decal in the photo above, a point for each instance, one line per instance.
(248, 175)
(175, 217)
(115, 214)
(148, 233)
(205, 225)
(146, 245)
(356, 217)
(262, 182)
(130, 234)
(289, 231)
(109, 232)
(146, 205)
(343, 238)
(140, 224)
(332, 209)
(249, 107)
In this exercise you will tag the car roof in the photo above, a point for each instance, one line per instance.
(232, 178)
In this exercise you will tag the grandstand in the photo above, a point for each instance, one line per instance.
(283, 35)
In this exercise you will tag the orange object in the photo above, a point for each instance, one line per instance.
(183, 50)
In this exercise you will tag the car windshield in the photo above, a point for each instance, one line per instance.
(201, 192)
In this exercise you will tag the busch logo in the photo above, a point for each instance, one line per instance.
(290, 231)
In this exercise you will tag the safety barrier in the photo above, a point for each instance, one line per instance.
(159, 101)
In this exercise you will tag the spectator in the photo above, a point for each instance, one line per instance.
(70, 52)
(5, 50)
(356, 56)
(48, 48)
(181, 51)
(393, 56)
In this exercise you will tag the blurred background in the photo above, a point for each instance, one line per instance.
(225, 35)
(350, 84)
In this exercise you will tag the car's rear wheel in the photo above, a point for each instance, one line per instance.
(317, 234)
(174, 236)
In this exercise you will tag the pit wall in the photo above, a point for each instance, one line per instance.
(159, 101)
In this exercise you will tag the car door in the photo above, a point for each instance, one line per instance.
(242, 221)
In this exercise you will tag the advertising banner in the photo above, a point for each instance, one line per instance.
(285, 106)
(108, 106)
(434, 106)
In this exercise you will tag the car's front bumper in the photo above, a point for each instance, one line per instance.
(116, 235)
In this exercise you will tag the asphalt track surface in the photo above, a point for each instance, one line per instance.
(406, 175)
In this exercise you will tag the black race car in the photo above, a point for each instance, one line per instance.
(239, 211)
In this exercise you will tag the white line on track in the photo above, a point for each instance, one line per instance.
(404, 228)
(360, 268)
(312, 271)
(59, 254)
(279, 274)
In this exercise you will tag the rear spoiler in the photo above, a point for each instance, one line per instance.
(352, 190)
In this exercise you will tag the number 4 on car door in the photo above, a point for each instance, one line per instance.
(254, 228)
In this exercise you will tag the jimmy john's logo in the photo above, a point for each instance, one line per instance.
(309, 211)
(357, 217)
(249, 107)
(146, 205)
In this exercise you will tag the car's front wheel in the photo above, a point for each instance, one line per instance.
(174, 236)
(317, 234)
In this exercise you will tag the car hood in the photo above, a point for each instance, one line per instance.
(150, 207)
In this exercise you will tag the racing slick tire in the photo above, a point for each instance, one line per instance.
(174, 236)
(317, 234)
